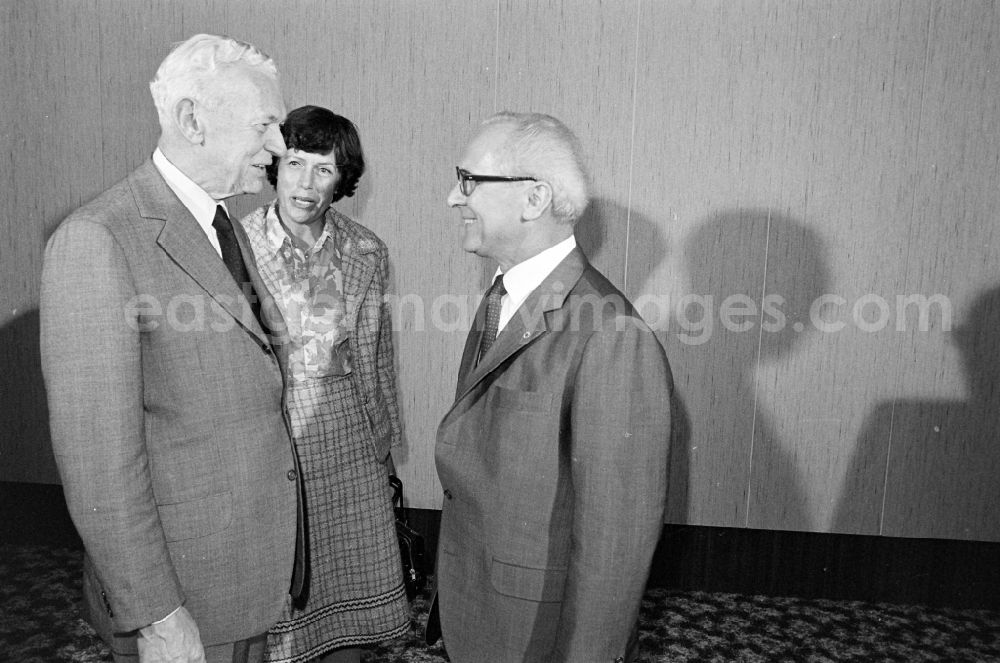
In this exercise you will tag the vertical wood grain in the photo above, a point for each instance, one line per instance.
(425, 80)
(943, 478)
(756, 149)
(17, 295)
(576, 62)
(52, 143)
(776, 141)
(134, 39)
(703, 182)
(854, 74)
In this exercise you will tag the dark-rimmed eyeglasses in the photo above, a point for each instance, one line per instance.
(467, 181)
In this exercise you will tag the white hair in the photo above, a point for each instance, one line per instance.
(189, 69)
(541, 146)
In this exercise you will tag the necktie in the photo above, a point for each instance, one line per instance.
(231, 254)
(493, 297)
(233, 257)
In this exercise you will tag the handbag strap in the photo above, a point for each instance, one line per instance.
(397, 492)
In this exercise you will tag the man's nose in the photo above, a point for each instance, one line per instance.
(273, 142)
(455, 196)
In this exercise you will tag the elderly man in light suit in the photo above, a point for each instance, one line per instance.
(165, 394)
(553, 458)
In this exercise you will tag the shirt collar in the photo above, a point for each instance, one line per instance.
(275, 235)
(521, 279)
(195, 199)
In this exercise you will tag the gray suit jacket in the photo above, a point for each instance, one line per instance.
(167, 419)
(553, 461)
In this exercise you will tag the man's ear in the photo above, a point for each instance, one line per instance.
(187, 121)
(539, 200)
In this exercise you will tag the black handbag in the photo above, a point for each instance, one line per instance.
(411, 545)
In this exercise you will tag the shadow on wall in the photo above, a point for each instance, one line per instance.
(606, 223)
(943, 457)
(25, 447)
(591, 226)
(604, 219)
(747, 257)
(679, 461)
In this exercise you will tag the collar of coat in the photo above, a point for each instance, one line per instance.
(528, 324)
(351, 237)
(182, 238)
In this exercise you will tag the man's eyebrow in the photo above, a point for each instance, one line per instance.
(268, 119)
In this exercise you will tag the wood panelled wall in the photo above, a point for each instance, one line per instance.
(801, 197)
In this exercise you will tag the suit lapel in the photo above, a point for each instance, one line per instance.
(356, 264)
(184, 241)
(528, 324)
(472, 342)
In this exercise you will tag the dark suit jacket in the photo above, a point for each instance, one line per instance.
(167, 422)
(553, 461)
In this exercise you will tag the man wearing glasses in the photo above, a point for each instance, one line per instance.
(553, 458)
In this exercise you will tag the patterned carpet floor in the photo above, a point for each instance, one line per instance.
(40, 623)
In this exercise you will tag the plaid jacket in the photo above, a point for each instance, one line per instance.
(365, 266)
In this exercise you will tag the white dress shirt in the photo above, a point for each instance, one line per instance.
(521, 279)
(196, 200)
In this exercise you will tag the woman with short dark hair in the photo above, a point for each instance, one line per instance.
(327, 275)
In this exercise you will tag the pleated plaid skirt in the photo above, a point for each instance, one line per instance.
(356, 595)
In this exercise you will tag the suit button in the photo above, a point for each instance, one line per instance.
(291, 475)
(447, 493)
(266, 349)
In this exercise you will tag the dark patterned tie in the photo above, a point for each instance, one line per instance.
(233, 257)
(493, 297)
(231, 254)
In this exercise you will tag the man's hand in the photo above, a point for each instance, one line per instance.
(173, 640)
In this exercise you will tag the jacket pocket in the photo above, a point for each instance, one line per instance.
(525, 582)
(196, 518)
(523, 401)
(377, 413)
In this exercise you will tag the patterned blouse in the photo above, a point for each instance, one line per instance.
(308, 288)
